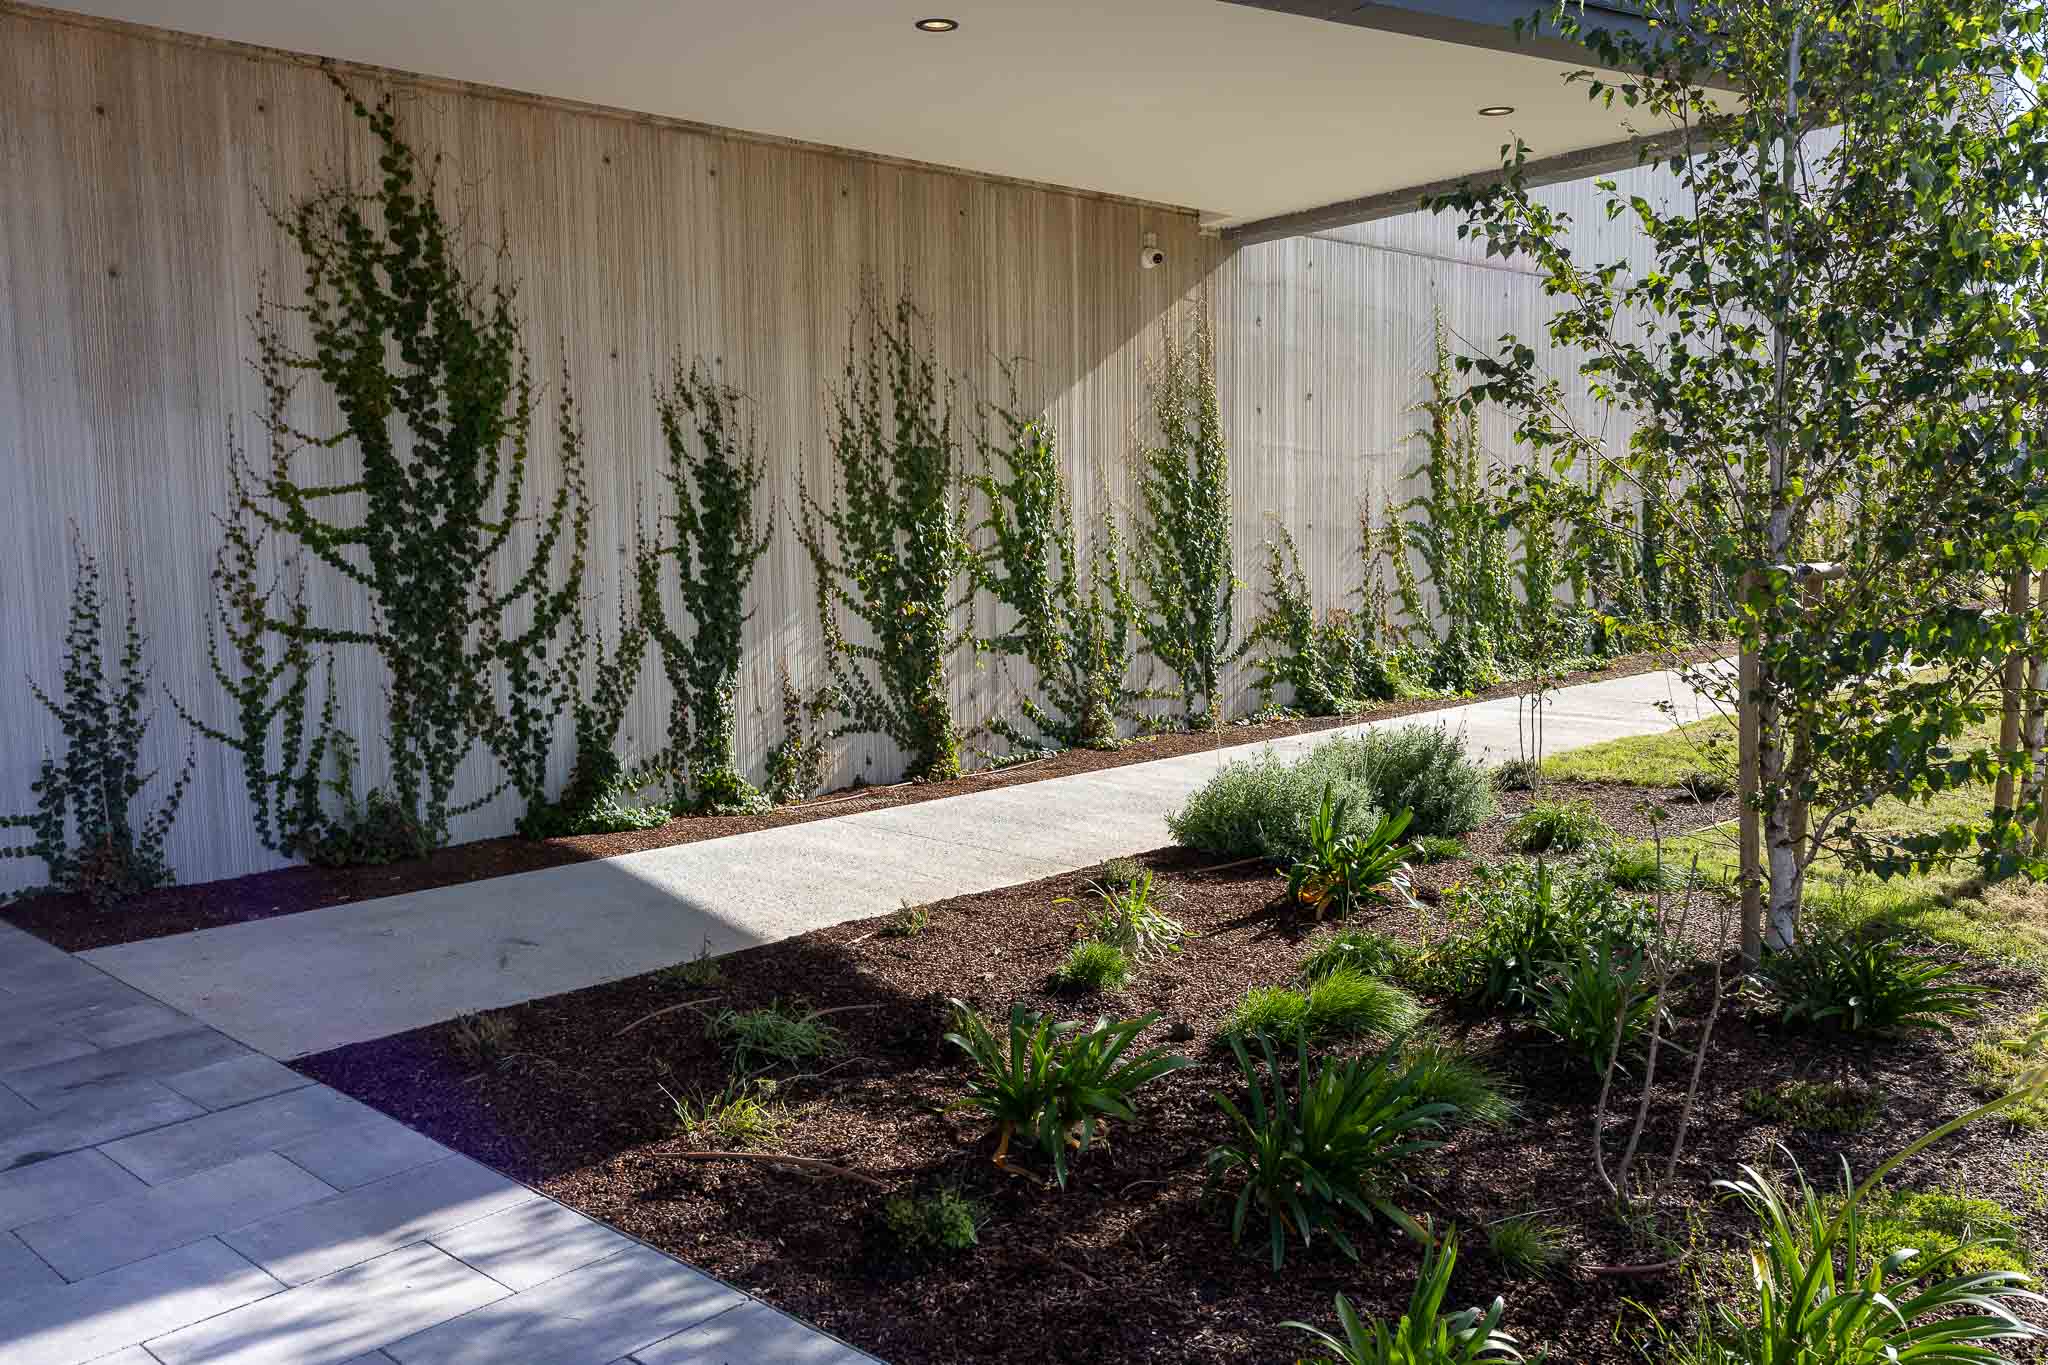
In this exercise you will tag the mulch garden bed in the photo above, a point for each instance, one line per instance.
(1134, 1261)
(70, 924)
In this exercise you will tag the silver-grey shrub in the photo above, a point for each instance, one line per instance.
(1261, 806)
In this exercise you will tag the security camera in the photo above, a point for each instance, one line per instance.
(1150, 257)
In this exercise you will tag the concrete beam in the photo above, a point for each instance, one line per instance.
(1550, 170)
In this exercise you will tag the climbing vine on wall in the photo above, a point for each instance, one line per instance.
(1183, 553)
(467, 596)
(1072, 619)
(888, 543)
(87, 829)
(712, 538)
(598, 797)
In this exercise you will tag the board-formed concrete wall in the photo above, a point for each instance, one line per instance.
(137, 172)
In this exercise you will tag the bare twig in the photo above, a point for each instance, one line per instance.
(666, 1009)
(807, 1163)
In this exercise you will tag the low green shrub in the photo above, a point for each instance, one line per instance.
(943, 1222)
(1426, 1334)
(1817, 1106)
(1092, 965)
(1556, 827)
(1055, 1082)
(1424, 769)
(1633, 867)
(1348, 870)
(1119, 873)
(1332, 1147)
(1359, 949)
(1704, 785)
(1263, 807)
(1526, 1246)
(1589, 1003)
(1437, 848)
(1867, 985)
(778, 1035)
(1514, 921)
(1517, 775)
(1342, 1002)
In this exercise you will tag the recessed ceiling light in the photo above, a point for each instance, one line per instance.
(938, 25)
(1496, 110)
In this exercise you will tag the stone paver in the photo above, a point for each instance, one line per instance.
(126, 1307)
(164, 1216)
(148, 1204)
(752, 1334)
(63, 1184)
(346, 1229)
(557, 1323)
(531, 1243)
(298, 984)
(337, 1318)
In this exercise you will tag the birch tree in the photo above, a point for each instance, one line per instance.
(1833, 354)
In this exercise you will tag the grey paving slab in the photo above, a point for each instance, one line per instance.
(160, 1217)
(63, 1184)
(51, 1085)
(304, 983)
(72, 1007)
(22, 1049)
(598, 1313)
(237, 1080)
(210, 1139)
(338, 1318)
(134, 1355)
(133, 1024)
(21, 1270)
(368, 1149)
(531, 1243)
(752, 1334)
(13, 1108)
(122, 1308)
(110, 1112)
(366, 1222)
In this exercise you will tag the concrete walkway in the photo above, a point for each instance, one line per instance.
(303, 983)
(168, 1197)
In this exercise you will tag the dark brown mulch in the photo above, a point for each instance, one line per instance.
(69, 923)
(1133, 1262)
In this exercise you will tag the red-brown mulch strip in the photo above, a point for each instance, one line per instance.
(1133, 1262)
(69, 923)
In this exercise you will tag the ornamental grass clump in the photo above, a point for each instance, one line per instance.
(1055, 1083)
(1342, 1002)
(1557, 827)
(1094, 966)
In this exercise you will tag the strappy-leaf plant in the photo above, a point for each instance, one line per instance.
(1129, 918)
(87, 828)
(1426, 1334)
(1348, 869)
(1858, 984)
(888, 544)
(1331, 1148)
(711, 541)
(1055, 1083)
(1072, 620)
(1821, 1293)
(1183, 553)
(417, 499)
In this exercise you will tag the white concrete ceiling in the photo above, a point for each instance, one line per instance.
(1239, 112)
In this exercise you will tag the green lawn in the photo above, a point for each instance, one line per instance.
(1652, 760)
